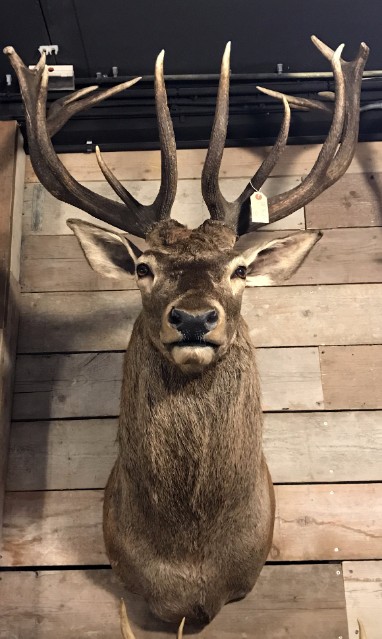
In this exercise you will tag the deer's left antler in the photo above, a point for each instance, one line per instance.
(333, 159)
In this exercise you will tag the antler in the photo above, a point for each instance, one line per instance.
(332, 162)
(131, 216)
(126, 630)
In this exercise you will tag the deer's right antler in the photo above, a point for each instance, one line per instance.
(131, 216)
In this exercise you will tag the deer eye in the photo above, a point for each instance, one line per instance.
(241, 272)
(143, 270)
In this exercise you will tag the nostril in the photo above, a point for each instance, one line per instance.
(212, 317)
(175, 317)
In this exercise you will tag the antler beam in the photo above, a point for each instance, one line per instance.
(131, 216)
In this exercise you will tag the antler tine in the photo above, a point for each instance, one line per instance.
(332, 161)
(269, 162)
(115, 184)
(169, 174)
(64, 108)
(218, 206)
(296, 102)
(361, 630)
(353, 72)
(131, 216)
(126, 630)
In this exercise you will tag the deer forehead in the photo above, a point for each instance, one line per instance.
(176, 250)
(171, 236)
(191, 265)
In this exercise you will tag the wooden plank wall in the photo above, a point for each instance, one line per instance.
(12, 171)
(319, 341)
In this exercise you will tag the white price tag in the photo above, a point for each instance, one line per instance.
(259, 207)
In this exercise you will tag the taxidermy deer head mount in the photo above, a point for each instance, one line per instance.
(192, 280)
(189, 506)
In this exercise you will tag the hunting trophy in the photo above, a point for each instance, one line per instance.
(189, 506)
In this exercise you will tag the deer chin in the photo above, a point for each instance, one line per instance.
(193, 358)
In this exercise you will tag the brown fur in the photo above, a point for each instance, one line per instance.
(188, 515)
(189, 506)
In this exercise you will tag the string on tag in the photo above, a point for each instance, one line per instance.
(254, 188)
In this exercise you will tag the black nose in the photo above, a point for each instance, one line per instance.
(193, 327)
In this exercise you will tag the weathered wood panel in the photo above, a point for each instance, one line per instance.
(57, 263)
(329, 447)
(54, 386)
(243, 162)
(298, 316)
(328, 521)
(12, 166)
(88, 384)
(352, 376)
(8, 157)
(298, 601)
(75, 322)
(313, 522)
(8, 344)
(45, 215)
(61, 455)
(355, 200)
(342, 256)
(363, 592)
(79, 454)
(53, 529)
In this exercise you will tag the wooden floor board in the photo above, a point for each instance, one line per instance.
(299, 601)
(363, 591)
(298, 316)
(79, 454)
(88, 384)
(56, 262)
(313, 523)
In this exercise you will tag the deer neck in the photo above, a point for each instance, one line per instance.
(187, 432)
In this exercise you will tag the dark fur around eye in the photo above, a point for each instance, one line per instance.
(241, 272)
(143, 270)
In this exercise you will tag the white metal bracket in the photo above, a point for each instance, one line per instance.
(49, 49)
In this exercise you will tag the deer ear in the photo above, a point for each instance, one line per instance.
(275, 261)
(109, 253)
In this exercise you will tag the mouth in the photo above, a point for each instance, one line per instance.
(193, 355)
(194, 344)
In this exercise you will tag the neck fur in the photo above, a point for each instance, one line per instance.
(190, 433)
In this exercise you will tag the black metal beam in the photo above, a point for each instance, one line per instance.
(128, 121)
